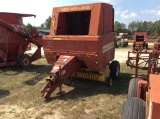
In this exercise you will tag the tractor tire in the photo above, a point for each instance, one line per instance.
(116, 44)
(124, 44)
(133, 86)
(109, 81)
(134, 108)
(24, 61)
(119, 43)
(114, 70)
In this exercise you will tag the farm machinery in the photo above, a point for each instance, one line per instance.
(143, 93)
(80, 45)
(14, 41)
(140, 41)
(122, 40)
(142, 58)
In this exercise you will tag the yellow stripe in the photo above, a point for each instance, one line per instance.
(57, 38)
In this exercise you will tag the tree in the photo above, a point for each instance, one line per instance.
(28, 28)
(139, 26)
(132, 27)
(47, 23)
(119, 27)
(156, 28)
(42, 25)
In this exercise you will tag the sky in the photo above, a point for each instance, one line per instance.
(126, 11)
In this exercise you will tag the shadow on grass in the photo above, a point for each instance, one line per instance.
(85, 88)
(33, 68)
(36, 79)
(4, 93)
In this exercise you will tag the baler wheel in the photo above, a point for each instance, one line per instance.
(114, 69)
(133, 86)
(134, 108)
(24, 61)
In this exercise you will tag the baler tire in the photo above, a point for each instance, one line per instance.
(109, 81)
(24, 61)
(134, 108)
(133, 87)
(114, 70)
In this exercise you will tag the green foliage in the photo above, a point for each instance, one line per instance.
(28, 28)
(152, 28)
(46, 24)
(119, 27)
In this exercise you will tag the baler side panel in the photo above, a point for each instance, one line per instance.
(3, 38)
(13, 46)
(108, 15)
(62, 24)
(95, 21)
(154, 89)
(108, 49)
(106, 19)
(9, 42)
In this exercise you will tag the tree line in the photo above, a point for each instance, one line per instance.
(44, 26)
(152, 28)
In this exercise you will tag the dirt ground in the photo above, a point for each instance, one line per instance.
(121, 54)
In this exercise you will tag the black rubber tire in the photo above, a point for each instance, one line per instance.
(119, 43)
(134, 108)
(124, 44)
(146, 45)
(133, 86)
(115, 70)
(116, 44)
(109, 81)
(24, 61)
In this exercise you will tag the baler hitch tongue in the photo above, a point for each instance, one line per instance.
(52, 83)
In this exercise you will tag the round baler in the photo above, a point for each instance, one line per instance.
(81, 45)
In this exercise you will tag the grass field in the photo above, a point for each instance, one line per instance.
(20, 96)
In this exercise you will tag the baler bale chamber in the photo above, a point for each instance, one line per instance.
(14, 41)
(81, 44)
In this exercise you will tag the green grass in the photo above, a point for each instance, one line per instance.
(83, 99)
